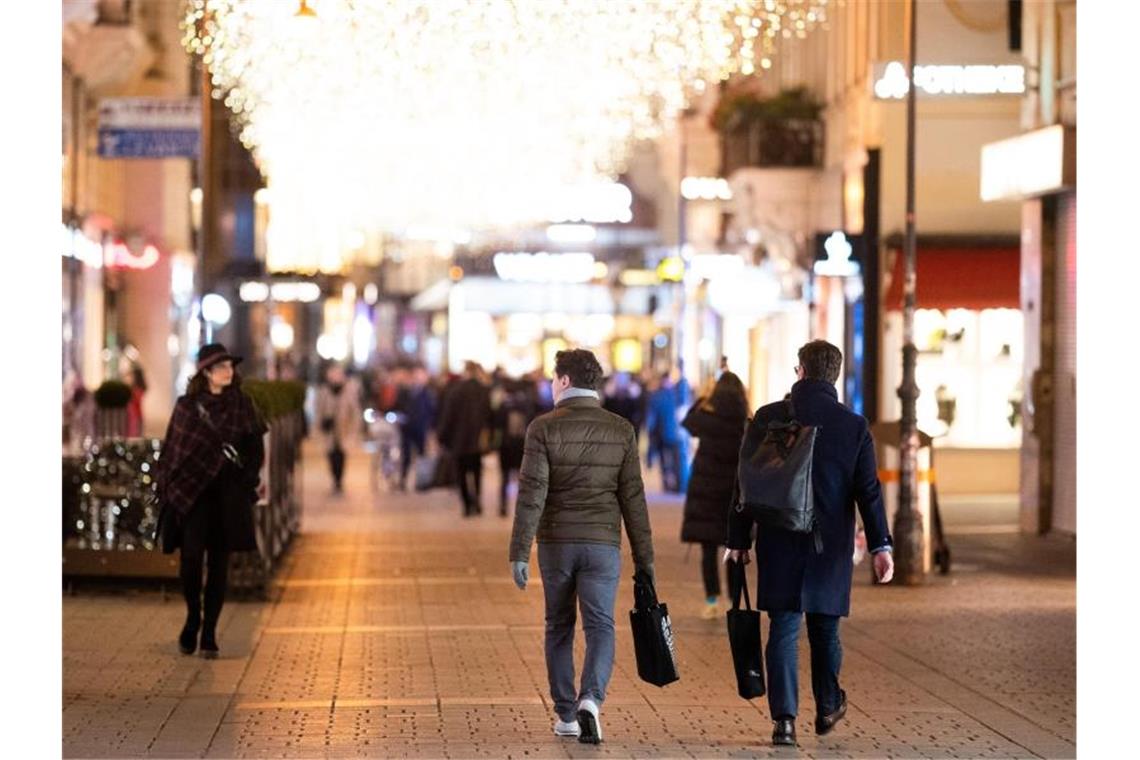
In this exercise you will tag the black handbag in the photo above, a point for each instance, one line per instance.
(653, 643)
(744, 636)
(776, 478)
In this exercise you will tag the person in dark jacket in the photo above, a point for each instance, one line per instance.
(624, 398)
(464, 425)
(514, 403)
(792, 578)
(718, 422)
(208, 475)
(580, 480)
(416, 408)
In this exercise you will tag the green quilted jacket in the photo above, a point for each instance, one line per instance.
(580, 478)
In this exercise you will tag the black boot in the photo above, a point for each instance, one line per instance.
(784, 733)
(217, 566)
(188, 639)
(209, 643)
(191, 575)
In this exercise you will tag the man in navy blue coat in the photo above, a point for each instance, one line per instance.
(792, 578)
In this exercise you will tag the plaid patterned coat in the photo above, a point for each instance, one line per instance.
(192, 450)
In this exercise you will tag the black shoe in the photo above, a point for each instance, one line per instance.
(824, 723)
(784, 733)
(188, 639)
(209, 645)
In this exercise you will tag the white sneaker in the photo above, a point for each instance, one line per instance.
(566, 728)
(590, 723)
(711, 611)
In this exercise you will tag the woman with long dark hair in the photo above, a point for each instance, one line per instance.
(207, 479)
(718, 421)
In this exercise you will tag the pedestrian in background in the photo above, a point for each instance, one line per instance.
(665, 432)
(464, 424)
(207, 482)
(416, 408)
(624, 398)
(513, 408)
(717, 420)
(580, 480)
(793, 579)
(339, 417)
(135, 405)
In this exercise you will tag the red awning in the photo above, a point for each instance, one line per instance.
(953, 277)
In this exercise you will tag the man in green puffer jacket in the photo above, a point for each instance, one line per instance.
(580, 479)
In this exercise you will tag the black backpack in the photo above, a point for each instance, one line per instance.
(776, 478)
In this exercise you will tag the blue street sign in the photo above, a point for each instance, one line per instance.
(149, 143)
(149, 128)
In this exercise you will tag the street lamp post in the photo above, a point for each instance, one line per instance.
(908, 529)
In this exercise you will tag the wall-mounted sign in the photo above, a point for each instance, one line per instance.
(837, 254)
(149, 127)
(545, 267)
(891, 80)
(1035, 163)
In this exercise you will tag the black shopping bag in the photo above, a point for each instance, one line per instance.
(652, 635)
(436, 471)
(744, 636)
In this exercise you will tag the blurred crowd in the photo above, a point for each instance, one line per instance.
(412, 417)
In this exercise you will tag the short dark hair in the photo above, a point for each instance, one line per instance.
(581, 366)
(821, 361)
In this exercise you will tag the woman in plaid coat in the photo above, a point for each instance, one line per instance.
(207, 480)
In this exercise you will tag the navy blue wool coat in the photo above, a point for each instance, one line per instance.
(790, 575)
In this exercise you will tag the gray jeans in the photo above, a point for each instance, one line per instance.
(575, 575)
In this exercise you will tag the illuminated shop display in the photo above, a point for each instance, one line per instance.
(969, 372)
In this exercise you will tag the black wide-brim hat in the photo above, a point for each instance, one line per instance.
(212, 353)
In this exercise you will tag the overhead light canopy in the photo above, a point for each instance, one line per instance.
(376, 115)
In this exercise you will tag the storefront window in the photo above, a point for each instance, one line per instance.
(969, 372)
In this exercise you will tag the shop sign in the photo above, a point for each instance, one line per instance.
(891, 80)
(253, 291)
(544, 266)
(149, 127)
(118, 256)
(671, 269)
(1035, 163)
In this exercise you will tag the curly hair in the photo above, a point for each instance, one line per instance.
(200, 384)
(581, 366)
(821, 361)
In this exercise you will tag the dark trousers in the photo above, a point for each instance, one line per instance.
(336, 465)
(505, 469)
(710, 569)
(469, 469)
(217, 567)
(671, 475)
(782, 659)
(409, 441)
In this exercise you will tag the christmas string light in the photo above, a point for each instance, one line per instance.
(379, 115)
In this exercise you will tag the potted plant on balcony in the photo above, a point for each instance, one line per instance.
(782, 130)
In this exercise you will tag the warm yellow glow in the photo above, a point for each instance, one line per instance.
(376, 115)
(627, 355)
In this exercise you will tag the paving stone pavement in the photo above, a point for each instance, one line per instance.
(394, 630)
